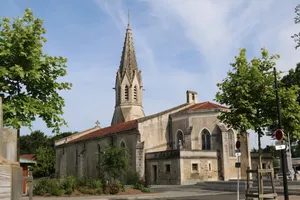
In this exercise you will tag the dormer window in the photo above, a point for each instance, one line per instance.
(193, 97)
(126, 93)
(135, 93)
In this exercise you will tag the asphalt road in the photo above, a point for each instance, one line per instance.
(210, 197)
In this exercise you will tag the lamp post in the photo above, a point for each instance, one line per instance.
(282, 151)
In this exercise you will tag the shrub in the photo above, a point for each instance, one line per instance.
(68, 183)
(114, 189)
(140, 187)
(88, 182)
(131, 177)
(106, 189)
(68, 191)
(47, 187)
(120, 186)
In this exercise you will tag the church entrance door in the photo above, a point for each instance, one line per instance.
(154, 174)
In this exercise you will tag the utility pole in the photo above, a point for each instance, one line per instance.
(282, 151)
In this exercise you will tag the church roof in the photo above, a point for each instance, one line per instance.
(205, 105)
(108, 130)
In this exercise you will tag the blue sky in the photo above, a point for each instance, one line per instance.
(180, 45)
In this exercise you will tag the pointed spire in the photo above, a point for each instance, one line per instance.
(128, 62)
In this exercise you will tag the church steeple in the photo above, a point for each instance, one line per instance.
(128, 64)
(128, 86)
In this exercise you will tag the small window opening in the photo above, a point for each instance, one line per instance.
(193, 97)
(167, 168)
(209, 167)
(195, 167)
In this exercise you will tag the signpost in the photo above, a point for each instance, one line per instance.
(238, 166)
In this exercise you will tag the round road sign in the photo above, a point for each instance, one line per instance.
(238, 144)
(279, 134)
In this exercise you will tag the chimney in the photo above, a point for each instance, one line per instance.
(191, 97)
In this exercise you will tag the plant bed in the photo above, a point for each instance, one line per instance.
(71, 186)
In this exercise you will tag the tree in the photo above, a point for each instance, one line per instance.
(45, 158)
(249, 92)
(114, 161)
(30, 143)
(246, 90)
(28, 77)
(296, 36)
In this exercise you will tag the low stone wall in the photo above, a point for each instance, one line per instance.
(11, 179)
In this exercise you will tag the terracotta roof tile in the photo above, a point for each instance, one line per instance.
(28, 157)
(205, 105)
(108, 130)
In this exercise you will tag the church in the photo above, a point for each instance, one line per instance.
(185, 144)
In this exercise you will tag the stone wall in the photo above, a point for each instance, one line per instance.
(87, 154)
(154, 130)
(196, 170)
(9, 144)
(10, 182)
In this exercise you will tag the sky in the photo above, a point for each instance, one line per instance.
(180, 45)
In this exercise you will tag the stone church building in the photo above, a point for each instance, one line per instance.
(182, 145)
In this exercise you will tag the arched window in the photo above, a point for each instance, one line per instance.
(135, 93)
(179, 138)
(126, 93)
(231, 143)
(206, 140)
(122, 144)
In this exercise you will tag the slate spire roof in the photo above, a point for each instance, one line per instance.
(128, 64)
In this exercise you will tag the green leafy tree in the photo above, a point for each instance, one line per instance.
(30, 143)
(29, 82)
(296, 36)
(249, 92)
(45, 158)
(114, 161)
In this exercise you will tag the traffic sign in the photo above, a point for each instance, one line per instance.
(279, 134)
(280, 147)
(237, 154)
(238, 144)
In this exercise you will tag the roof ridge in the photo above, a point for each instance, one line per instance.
(162, 112)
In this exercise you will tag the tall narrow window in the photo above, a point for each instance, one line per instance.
(135, 93)
(206, 140)
(119, 94)
(126, 93)
(179, 138)
(76, 157)
(99, 149)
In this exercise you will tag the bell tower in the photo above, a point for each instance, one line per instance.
(128, 85)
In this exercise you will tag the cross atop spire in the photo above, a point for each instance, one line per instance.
(97, 123)
(128, 17)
